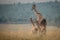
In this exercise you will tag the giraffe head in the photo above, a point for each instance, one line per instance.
(33, 7)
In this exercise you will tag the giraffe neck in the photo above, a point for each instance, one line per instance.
(35, 10)
(32, 22)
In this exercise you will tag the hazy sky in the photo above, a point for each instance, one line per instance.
(23, 1)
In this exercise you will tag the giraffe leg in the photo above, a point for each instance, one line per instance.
(43, 29)
(38, 26)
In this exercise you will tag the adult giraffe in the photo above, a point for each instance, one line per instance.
(40, 21)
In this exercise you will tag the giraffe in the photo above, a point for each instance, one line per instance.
(40, 21)
(34, 29)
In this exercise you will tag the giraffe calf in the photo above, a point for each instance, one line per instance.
(34, 29)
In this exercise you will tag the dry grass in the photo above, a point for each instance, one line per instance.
(50, 35)
(27, 35)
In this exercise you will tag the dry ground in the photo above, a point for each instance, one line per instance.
(23, 32)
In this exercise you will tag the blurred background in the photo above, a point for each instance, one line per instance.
(19, 11)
